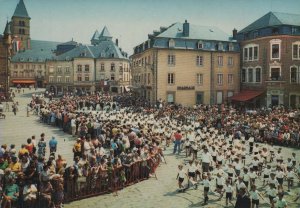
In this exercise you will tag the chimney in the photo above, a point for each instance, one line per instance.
(234, 34)
(117, 42)
(186, 29)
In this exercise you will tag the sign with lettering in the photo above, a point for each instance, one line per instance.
(185, 87)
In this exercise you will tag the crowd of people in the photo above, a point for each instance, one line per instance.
(116, 132)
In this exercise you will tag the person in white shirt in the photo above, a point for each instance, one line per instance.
(180, 177)
(198, 170)
(187, 145)
(220, 158)
(228, 191)
(246, 177)
(266, 174)
(220, 182)
(252, 176)
(271, 191)
(206, 185)
(272, 180)
(194, 149)
(191, 169)
(279, 176)
(240, 184)
(73, 126)
(290, 178)
(254, 196)
(206, 160)
(280, 201)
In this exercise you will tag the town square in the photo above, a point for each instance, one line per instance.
(181, 114)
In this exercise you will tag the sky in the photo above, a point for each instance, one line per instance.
(132, 20)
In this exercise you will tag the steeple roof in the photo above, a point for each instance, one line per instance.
(105, 33)
(7, 29)
(21, 10)
(96, 35)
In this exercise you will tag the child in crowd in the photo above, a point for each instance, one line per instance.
(180, 177)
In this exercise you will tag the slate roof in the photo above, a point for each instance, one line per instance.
(7, 29)
(196, 32)
(79, 51)
(39, 52)
(273, 19)
(104, 49)
(96, 35)
(21, 10)
(69, 43)
(105, 33)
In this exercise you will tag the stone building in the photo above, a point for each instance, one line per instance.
(102, 66)
(270, 61)
(186, 64)
(5, 54)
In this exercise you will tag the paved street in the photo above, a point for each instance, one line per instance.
(16, 129)
(150, 193)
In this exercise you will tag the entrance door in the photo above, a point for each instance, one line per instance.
(39, 84)
(292, 101)
(219, 97)
(199, 98)
(170, 98)
(275, 100)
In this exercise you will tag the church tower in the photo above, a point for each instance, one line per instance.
(20, 26)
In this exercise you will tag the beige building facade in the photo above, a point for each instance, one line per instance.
(178, 66)
(60, 76)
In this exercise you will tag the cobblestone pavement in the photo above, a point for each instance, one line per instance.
(150, 193)
(16, 129)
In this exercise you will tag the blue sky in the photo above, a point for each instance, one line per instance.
(132, 20)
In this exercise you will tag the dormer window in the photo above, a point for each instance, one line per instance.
(275, 31)
(220, 46)
(171, 43)
(231, 47)
(255, 34)
(200, 45)
(294, 30)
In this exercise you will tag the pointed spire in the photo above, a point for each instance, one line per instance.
(96, 35)
(105, 33)
(21, 10)
(7, 29)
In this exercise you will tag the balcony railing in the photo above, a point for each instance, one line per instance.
(275, 82)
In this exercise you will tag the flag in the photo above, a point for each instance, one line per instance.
(16, 45)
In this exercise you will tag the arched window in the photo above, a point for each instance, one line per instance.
(200, 45)
(171, 43)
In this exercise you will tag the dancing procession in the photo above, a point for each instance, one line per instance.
(227, 156)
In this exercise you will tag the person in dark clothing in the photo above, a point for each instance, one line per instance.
(243, 200)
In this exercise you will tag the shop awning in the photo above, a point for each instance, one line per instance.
(23, 81)
(246, 95)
